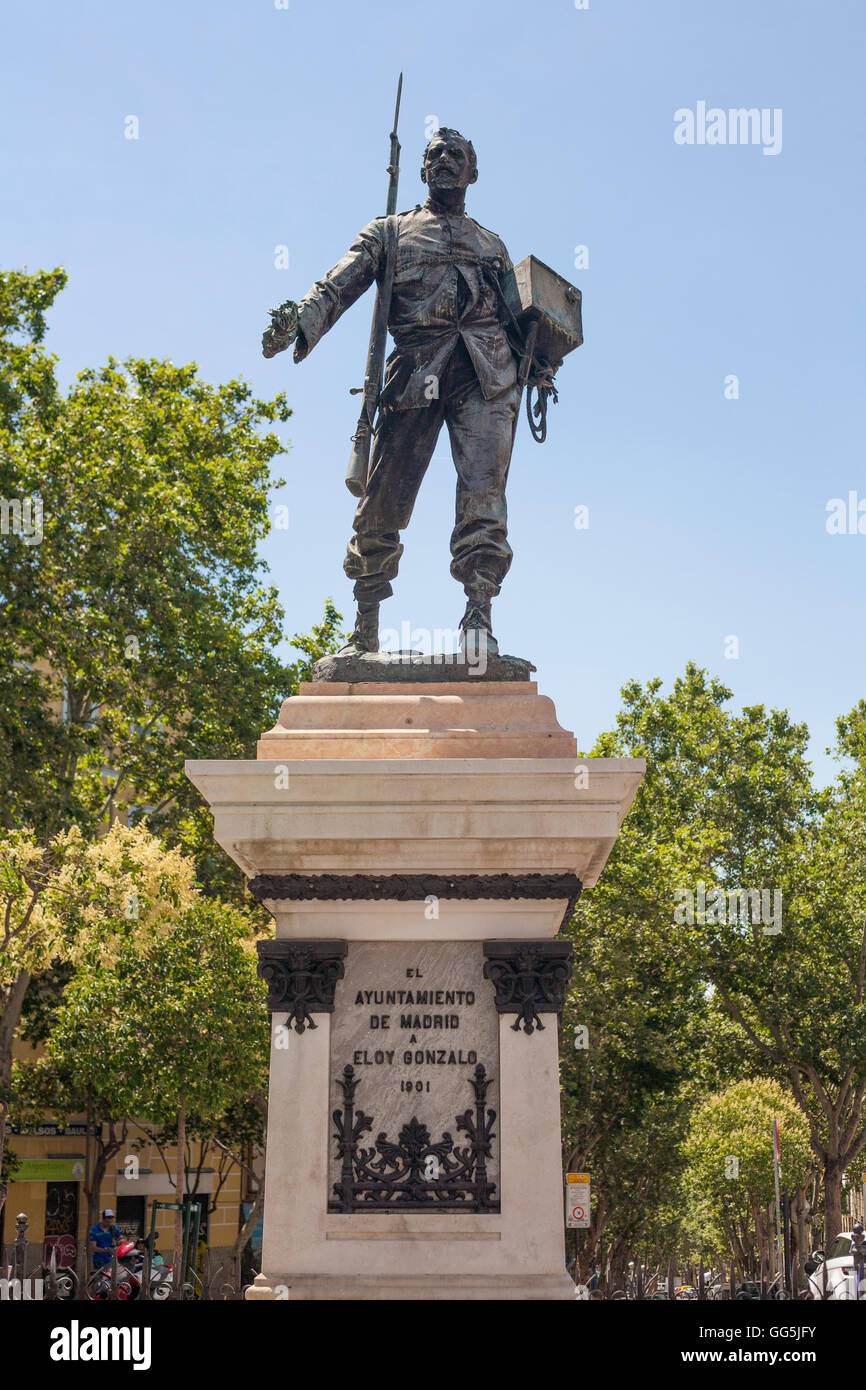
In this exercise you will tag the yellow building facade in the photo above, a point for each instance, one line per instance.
(48, 1187)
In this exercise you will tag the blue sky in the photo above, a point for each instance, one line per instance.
(261, 127)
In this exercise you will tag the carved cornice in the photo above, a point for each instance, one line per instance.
(414, 887)
(530, 978)
(301, 977)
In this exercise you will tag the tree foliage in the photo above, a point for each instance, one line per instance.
(799, 996)
(729, 1153)
(136, 629)
(71, 898)
(140, 611)
(26, 369)
(724, 797)
(179, 1016)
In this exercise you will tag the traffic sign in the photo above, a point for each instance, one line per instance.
(577, 1201)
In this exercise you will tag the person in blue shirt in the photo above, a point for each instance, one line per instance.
(102, 1239)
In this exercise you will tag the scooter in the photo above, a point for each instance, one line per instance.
(130, 1276)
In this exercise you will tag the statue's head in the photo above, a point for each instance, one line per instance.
(449, 161)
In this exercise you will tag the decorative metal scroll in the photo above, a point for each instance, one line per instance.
(301, 977)
(530, 978)
(414, 1172)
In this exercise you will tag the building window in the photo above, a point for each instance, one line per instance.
(130, 1216)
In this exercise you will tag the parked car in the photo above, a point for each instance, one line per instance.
(833, 1277)
(718, 1288)
(747, 1292)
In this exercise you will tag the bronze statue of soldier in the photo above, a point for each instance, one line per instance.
(455, 362)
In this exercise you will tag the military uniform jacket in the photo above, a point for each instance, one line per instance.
(444, 291)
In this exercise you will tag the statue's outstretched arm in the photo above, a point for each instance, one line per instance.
(305, 323)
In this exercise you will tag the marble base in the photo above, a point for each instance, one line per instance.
(515, 815)
(413, 1288)
(438, 783)
(437, 719)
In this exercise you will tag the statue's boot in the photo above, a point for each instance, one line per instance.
(476, 630)
(365, 635)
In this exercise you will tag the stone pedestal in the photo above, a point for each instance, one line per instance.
(419, 845)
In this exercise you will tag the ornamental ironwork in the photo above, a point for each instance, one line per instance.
(415, 1172)
(301, 977)
(530, 978)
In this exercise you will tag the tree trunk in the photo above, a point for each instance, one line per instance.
(180, 1193)
(608, 1256)
(88, 1155)
(741, 1245)
(82, 1262)
(618, 1269)
(12, 1000)
(772, 1241)
(803, 1251)
(759, 1242)
(106, 1149)
(4, 1111)
(249, 1225)
(832, 1200)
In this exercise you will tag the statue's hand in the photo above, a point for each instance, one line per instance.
(283, 329)
(542, 373)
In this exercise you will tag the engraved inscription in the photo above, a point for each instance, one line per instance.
(413, 1022)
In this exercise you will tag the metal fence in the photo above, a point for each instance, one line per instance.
(24, 1275)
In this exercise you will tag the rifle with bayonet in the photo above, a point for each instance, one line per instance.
(359, 460)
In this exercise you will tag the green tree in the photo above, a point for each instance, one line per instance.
(225, 1141)
(797, 994)
(28, 733)
(136, 611)
(190, 826)
(140, 611)
(729, 1155)
(53, 1086)
(170, 1028)
(723, 795)
(135, 627)
(323, 639)
(26, 369)
(61, 899)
